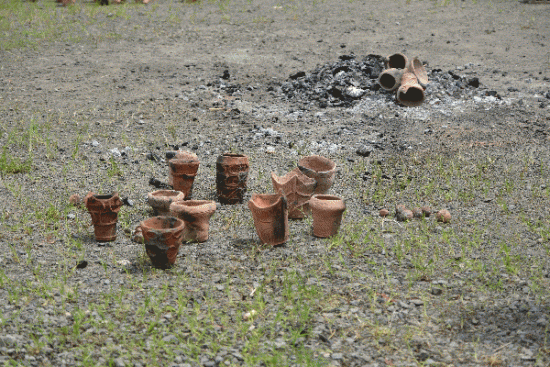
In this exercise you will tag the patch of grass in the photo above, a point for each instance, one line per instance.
(13, 165)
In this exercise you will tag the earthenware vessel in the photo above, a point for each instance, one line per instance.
(231, 177)
(410, 93)
(270, 214)
(390, 79)
(297, 189)
(322, 169)
(160, 200)
(183, 168)
(327, 211)
(196, 216)
(162, 236)
(104, 212)
(417, 68)
(397, 61)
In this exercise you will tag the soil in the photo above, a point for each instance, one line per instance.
(270, 79)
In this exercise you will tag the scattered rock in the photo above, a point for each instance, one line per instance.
(76, 200)
(384, 213)
(443, 216)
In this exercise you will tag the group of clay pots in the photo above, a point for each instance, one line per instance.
(297, 194)
(180, 219)
(407, 77)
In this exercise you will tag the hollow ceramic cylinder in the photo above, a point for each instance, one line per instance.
(327, 211)
(160, 200)
(297, 189)
(231, 177)
(397, 61)
(196, 216)
(410, 93)
(182, 171)
(270, 214)
(390, 79)
(162, 236)
(321, 169)
(104, 212)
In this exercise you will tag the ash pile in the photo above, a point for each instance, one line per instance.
(350, 80)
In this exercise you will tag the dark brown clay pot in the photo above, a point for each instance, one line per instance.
(162, 237)
(322, 169)
(182, 171)
(196, 216)
(160, 200)
(231, 176)
(326, 211)
(104, 212)
(410, 93)
(297, 189)
(270, 214)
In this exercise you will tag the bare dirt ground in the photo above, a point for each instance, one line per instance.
(100, 113)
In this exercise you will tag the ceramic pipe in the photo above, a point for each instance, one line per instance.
(397, 61)
(390, 79)
(410, 93)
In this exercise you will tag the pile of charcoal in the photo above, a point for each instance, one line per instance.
(348, 80)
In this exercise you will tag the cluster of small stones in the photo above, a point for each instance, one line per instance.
(402, 214)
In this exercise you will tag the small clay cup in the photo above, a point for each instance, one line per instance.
(162, 237)
(104, 212)
(327, 211)
(270, 214)
(196, 216)
(160, 200)
(322, 169)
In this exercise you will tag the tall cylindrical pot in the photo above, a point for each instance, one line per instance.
(231, 177)
(104, 212)
(182, 171)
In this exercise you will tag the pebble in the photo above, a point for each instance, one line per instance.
(443, 216)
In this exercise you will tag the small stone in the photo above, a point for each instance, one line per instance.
(436, 291)
(426, 210)
(82, 264)
(138, 235)
(124, 262)
(404, 215)
(399, 208)
(384, 212)
(75, 200)
(417, 213)
(443, 216)
(249, 315)
(364, 150)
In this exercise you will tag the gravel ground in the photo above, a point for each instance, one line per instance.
(271, 80)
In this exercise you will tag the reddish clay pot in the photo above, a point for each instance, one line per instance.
(231, 176)
(322, 169)
(182, 172)
(160, 200)
(390, 79)
(397, 61)
(162, 237)
(297, 188)
(417, 68)
(327, 211)
(196, 216)
(410, 93)
(270, 214)
(104, 212)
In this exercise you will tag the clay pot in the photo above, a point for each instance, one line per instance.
(322, 169)
(390, 79)
(104, 212)
(397, 61)
(417, 68)
(231, 176)
(182, 171)
(162, 237)
(326, 211)
(160, 200)
(196, 216)
(297, 188)
(410, 93)
(270, 214)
